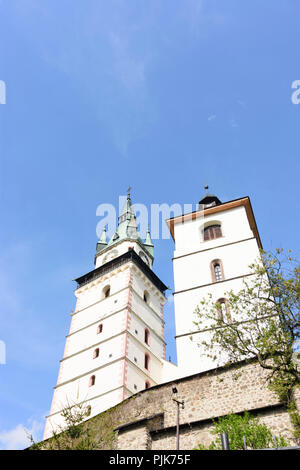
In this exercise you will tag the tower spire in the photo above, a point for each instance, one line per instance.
(127, 230)
(148, 242)
(102, 242)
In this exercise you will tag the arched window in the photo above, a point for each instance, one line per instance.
(96, 353)
(147, 336)
(147, 361)
(224, 311)
(212, 231)
(147, 384)
(92, 380)
(106, 291)
(146, 296)
(99, 328)
(217, 272)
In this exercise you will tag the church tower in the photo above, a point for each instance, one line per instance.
(115, 346)
(214, 247)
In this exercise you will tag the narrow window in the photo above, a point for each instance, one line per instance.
(147, 361)
(212, 232)
(92, 380)
(146, 297)
(106, 291)
(217, 271)
(96, 353)
(88, 410)
(147, 336)
(147, 384)
(99, 329)
(224, 311)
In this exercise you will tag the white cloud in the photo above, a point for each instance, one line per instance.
(18, 437)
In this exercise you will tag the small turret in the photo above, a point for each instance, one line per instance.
(209, 200)
(102, 242)
(148, 243)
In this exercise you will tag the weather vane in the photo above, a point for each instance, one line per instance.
(206, 187)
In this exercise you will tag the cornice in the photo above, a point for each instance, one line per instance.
(244, 201)
(117, 262)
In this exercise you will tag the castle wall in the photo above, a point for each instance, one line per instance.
(207, 396)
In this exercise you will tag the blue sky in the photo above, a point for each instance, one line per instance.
(164, 96)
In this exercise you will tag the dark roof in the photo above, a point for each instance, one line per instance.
(209, 199)
(107, 267)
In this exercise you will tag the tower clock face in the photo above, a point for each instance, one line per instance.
(144, 257)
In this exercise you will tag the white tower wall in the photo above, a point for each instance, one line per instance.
(237, 248)
(120, 367)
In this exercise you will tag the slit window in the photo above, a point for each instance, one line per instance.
(92, 380)
(147, 361)
(147, 336)
(224, 311)
(106, 291)
(96, 353)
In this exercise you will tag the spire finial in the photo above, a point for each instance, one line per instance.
(206, 187)
(128, 192)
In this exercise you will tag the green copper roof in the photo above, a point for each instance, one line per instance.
(127, 226)
(127, 229)
(148, 243)
(102, 242)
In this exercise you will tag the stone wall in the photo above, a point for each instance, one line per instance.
(147, 420)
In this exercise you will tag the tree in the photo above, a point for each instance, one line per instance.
(75, 434)
(262, 322)
(237, 427)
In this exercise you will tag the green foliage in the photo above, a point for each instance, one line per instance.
(258, 436)
(75, 434)
(264, 323)
(80, 433)
(295, 419)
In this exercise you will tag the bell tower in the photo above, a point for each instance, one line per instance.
(214, 247)
(115, 346)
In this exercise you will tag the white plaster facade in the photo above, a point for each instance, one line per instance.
(237, 248)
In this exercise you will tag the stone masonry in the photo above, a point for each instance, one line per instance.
(147, 420)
